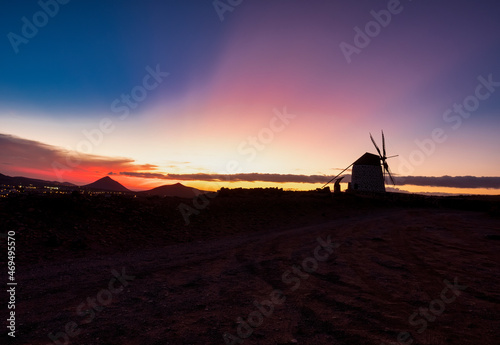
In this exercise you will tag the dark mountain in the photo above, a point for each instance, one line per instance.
(177, 189)
(106, 184)
(25, 181)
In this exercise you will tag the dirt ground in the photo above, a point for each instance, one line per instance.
(373, 275)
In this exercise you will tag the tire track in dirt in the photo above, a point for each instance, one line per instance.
(364, 251)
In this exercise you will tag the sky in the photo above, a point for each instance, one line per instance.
(239, 93)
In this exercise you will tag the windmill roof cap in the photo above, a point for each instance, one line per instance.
(368, 159)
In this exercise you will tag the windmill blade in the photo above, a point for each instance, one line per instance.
(373, 141)
(337, 175)
(383, 144)
(392, 156)
(390, 175)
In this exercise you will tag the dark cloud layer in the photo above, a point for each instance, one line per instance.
(22, 153)
(251, 177)
(444, 181)
(450, 181)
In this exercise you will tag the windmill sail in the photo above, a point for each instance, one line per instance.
(383, 157)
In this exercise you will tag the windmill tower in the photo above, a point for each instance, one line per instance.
(367, 174)
(368, 171)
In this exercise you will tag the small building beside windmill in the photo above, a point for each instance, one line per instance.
(367, 174)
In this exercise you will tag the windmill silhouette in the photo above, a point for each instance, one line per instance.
(369, 171)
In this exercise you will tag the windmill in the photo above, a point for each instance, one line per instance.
(369, 171)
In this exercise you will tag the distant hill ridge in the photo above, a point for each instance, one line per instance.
(4, 179)
(177, 189)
